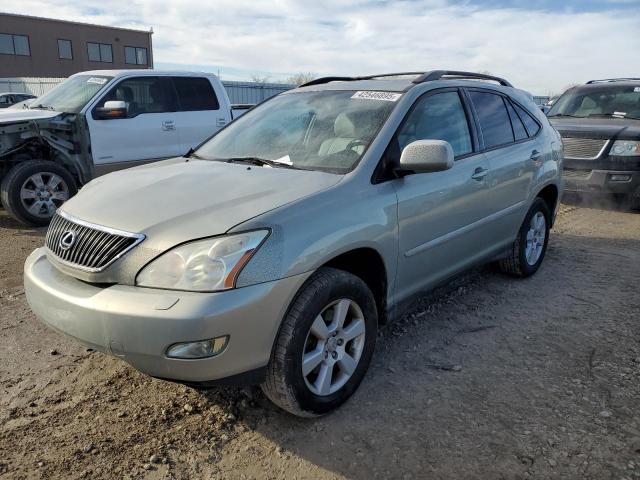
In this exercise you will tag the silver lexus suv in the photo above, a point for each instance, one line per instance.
(273, 252)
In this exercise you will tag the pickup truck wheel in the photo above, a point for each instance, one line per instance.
(33, 190)
(528, 249)
(324, 346)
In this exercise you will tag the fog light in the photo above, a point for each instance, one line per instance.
(620, 178)
(201, 349)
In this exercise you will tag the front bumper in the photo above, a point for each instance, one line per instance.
(138, 324)
(601, 181)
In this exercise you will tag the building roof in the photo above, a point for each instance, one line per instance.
(33, 17)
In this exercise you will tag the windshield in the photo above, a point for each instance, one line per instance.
(606, 101)
(72, 94)
(327, 130)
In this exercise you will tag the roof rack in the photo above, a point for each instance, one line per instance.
(606, 80)
(457, 75)
(318, 81)
(421, 77)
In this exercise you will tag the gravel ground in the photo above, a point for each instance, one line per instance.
(488, 377)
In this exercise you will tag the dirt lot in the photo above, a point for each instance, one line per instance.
(486, 378)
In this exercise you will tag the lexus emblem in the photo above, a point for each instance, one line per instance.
(67, 240)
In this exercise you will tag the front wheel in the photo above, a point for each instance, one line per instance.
(324, 346)
(529, 247)
(33, 190)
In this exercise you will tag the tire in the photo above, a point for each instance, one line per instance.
(325, 293)
(517, 263)
(58, 185)
(634, 201)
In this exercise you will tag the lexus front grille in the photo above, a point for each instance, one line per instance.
(87, 246)
(583, 148)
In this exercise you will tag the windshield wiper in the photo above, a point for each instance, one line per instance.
(564, 115)
(258, 161)
(192, 154)
(612, 115)
(42, 107)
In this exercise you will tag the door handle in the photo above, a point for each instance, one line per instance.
(480, 173)
(168, 125)
(535, 156)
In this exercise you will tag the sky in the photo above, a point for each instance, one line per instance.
(540, 46)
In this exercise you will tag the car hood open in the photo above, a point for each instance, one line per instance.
(176, 200)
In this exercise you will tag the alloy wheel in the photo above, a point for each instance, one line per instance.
(333, 347)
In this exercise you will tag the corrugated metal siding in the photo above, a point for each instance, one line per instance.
(34, 86)
(249, 92)
(239, 92)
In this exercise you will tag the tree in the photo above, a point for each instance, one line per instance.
(300, 78)
(257, 78)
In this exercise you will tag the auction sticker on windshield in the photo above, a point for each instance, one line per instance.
(99, 81)
(386, 96)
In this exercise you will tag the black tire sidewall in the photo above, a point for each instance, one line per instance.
(13, 181)
(343, 286)
(539, 205)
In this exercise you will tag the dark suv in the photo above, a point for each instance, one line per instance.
(600, 127)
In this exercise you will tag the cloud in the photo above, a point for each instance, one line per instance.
(539, 50)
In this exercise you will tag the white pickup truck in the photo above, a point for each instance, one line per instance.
(100, 121)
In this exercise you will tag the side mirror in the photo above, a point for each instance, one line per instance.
(111, 110)
(423, 156)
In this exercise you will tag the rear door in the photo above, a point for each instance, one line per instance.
(200, 113)
(442, 215)
(149, 130)
(514, 155)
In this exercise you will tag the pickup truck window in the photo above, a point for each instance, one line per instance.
(143, 95)
(605, 101)
(438, 117)
(325, 130)
(73, 94)
(195, 93)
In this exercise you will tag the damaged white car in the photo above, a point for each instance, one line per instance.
(97, 122)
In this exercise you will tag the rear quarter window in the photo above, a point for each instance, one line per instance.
(195, 93)
(532, 126)
(495, 124)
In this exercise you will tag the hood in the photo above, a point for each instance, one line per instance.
(9, 115)
(176, 200)
(609, 128)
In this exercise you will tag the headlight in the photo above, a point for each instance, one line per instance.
(625, 148)
(204, 265)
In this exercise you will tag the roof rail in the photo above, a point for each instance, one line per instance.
(454, 74)
(605, 80)
(421, 77)
(318, 81)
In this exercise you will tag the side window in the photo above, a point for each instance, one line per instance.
(438, 117)
(4, 99)
(518, 127)
(195, 93)
(532, 126)
(143, 95)
(494, 118)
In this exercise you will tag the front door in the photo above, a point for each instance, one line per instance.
(149, 132)
(442, 215)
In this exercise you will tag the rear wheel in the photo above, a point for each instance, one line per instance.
(324, 346)
(33, 190)
(528, 249)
